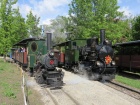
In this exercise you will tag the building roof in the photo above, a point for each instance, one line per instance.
(131, 43)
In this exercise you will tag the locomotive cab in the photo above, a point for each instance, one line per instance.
(88, 53)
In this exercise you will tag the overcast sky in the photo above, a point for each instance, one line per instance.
(50, 9)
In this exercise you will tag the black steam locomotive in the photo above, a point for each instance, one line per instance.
(45, 68)
(39, 59)
(46, 72)
(86, 56)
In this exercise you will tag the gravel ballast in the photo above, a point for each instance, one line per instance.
(78, 90)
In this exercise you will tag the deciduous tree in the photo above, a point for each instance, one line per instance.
(136, 28)
(32, 23)
(12, 25)
(89, 16)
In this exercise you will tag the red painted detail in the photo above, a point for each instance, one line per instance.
(108, 59)
(62, 56)
(51, 62)
(25, 57)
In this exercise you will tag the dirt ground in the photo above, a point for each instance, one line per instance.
(78, 90)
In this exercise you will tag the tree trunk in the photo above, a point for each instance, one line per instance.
(4, 58)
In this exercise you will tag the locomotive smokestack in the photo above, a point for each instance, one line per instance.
(102, 35)
(49, 40)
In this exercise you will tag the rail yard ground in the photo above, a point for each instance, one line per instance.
(80, 91)
(77, 90)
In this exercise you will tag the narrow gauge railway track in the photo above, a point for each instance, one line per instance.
(61, 97)
(135, 93)
(53, 99)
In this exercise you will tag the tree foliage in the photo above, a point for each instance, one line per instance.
(87, 17)
(19, 29)
(57, 27)
(12, 25)
(136, 28)
(32, 23)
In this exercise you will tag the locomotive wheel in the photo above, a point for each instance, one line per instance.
(39, 78)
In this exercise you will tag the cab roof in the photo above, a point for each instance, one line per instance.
(25, 41)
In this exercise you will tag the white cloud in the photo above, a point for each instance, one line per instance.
(45, 9)
(46, 21)
(49, 6)
(126, 11)
(24, 9)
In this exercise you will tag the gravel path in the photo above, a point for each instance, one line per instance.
(133, 92)
(80, 91)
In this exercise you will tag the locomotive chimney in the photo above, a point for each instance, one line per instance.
(49, 40)
(102, 35)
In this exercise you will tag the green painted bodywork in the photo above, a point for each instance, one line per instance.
(33, 47)
(72, 51)
(41, 48)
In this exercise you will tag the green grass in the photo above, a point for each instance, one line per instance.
(3, 103)
(10, 84)
(130, 82)
(29, 92)
(2, 64)
(8, 90)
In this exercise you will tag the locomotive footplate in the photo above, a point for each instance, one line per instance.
(108, 74)
(54, 79)
(108, 70)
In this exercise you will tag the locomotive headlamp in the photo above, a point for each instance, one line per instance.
(51, 53)
(113, 63)
(98, 63)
